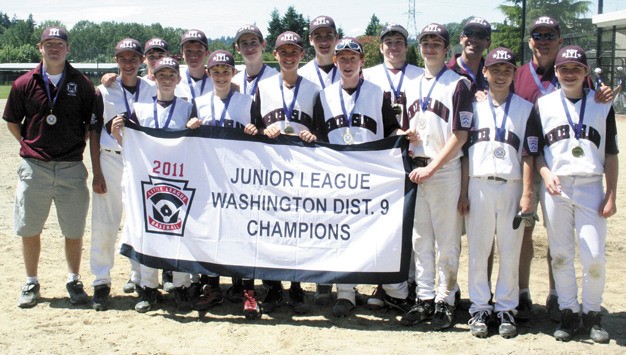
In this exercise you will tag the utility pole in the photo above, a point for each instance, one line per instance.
(411, 25)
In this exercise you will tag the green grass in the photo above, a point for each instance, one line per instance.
(4, 91)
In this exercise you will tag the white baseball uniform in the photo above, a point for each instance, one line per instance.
(573, 215)
(249, 86)
(319, 76)
(495, 147)
(437, 221)
(106, 213)
(190, 89)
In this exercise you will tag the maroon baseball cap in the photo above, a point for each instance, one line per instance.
(194, 35)
(53, 33)
(478, 24)
(288, 37)
(248, 29)
(349, 44)
(156, 43)
(128, 45)
(437, 30)
(167, 62)
(394, 27)
(571, 54)
(545, 21)
(322, 22)
(500, 55)
(221, 57)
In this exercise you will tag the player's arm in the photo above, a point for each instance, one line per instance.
(463, 204)
(108, 79)
(611, 168)
(552, 182)
(526, 202)
(15, 129)
(98, 184)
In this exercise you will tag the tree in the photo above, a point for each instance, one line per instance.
(371, 48)
(291, 21)
(374, 27)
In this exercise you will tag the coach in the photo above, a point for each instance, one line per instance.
(49, 111)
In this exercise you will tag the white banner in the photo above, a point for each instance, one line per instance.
(222, 201)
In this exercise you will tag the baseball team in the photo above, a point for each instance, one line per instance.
(488, 140)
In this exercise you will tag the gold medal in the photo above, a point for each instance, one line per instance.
(578, 152)
(421, 121)
(289, 129)
(51, 119)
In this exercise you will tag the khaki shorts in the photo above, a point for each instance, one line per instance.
(40, 183)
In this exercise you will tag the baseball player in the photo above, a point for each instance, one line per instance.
(345, 113)
(250, 44)
(323, 37)
(439, 107)
(475, 39)
(498, 186)
(116, 99)
(392, 76)
(195, 82)
(284, 105)
(164, 111)
(579, 147)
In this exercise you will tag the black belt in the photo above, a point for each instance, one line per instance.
(495, 178)
(113, 151)
(420, 162)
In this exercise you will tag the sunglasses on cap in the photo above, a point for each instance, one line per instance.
(348, 45)
(476, 34)
(543, 36)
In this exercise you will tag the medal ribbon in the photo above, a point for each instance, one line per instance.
(500, 131)
(396, 91)
(343, 104)
(169, 117)
(128, 110)
(226, 103)
(469, 71)
(46, 80)
(319, 75)
(544, 90)
(577, 128)
(424, 104)
(289, 111)
(191, 84)
(255, 82)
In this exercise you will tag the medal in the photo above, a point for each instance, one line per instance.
(578, 152)
(51, 119)
(499, 153)
(397, 109)
(347, 138)
(288, 129)
(421, 121)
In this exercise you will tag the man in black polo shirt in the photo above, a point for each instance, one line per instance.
(48, 111)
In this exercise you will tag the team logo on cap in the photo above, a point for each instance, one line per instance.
(320, 21)
(501, 55)
(220, 57)
(289, 37)
(545, 20)
(127, 44)
(432, 28)
(193, 34)
(167, 204)
(167, 61)
(246, 28)
(54, 32)
(479, 20)
(571, 54)
(157, 42)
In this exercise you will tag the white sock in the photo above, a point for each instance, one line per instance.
(32, 280)
(72, 277)
(524, 290)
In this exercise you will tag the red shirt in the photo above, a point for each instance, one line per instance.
(525, 85)
(28, 106)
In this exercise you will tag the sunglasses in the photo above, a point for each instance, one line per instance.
(543, 36)
(348, 45)
(475, 34)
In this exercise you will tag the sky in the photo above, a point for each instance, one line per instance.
(224, 18)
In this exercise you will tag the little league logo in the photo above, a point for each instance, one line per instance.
(166, 205)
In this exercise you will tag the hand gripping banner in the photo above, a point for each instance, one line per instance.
(216, 199)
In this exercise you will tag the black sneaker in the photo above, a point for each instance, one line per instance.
(524, 308)
(273, 300)
(298, 303)
(130, 287)
(507, 327)
(100, 299)
(323, 295)
(552, 306)
(570, 322)
(210, 297)
(76, 292)
(400, 304)
(342, 308)
(444, 315)
(168, 279)
(148, 299)
(421, 311)
(377, 299)
(28, 296)
(235, 293)
(478, 324)
(412, 286)
(183, 301)
(592, 322)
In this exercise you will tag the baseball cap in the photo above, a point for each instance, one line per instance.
(248, 29)
(349, 44)
(571, 54)
(545, 21)
(128, 45)
(288, 37)
(156, 43)
(221, 57)
(194, 35)
(53, 33)
(167, 62)
(437, 30)
(394, 27)
(478, 24)
(322, 22)
(500, 55)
